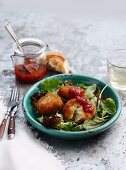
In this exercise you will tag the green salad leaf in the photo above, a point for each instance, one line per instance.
(94, 100)
(79, 128)
(87, 125)
(67, 126)
(89, 92)
(96, 122)
(50, 86)
(108, 106)
(81, 85)
(40, 119)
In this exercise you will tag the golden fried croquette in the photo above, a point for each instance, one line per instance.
(88, 107)
(69, 92)
(49, 104)
(64, 92)
(73, 110)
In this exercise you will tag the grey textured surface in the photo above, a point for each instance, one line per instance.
(86, 41)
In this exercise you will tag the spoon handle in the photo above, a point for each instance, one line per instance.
(11, 32)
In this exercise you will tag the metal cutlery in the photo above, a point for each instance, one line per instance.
(12, 33)
(11, 104)
(11, 126)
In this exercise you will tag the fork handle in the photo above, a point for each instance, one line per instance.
(2, 127)
(11, 127)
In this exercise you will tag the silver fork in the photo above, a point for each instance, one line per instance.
(11, 104)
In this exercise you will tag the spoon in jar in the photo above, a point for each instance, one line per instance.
(12, 33)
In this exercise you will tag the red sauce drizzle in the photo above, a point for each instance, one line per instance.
(76, 91)
(86, 104)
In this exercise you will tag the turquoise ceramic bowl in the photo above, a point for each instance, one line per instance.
(32, 117)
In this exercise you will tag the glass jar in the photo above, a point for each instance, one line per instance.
(29, 66)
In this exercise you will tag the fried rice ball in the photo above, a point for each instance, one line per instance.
(64, 92)
(68, 92)
(73, 110)
(49, 104)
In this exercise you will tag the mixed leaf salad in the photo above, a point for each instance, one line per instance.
(67, 106)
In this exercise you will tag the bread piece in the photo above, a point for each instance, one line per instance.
(58, 62)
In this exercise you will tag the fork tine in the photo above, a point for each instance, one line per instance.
(17, 95)
(12, 94)
(14, 89)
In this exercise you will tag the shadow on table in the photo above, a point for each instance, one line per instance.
(71, 144)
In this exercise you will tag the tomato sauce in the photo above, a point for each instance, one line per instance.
(86, 104)
(30, 71)
(76, 91)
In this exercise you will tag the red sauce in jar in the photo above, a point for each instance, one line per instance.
(86, 104)
(30, 71)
